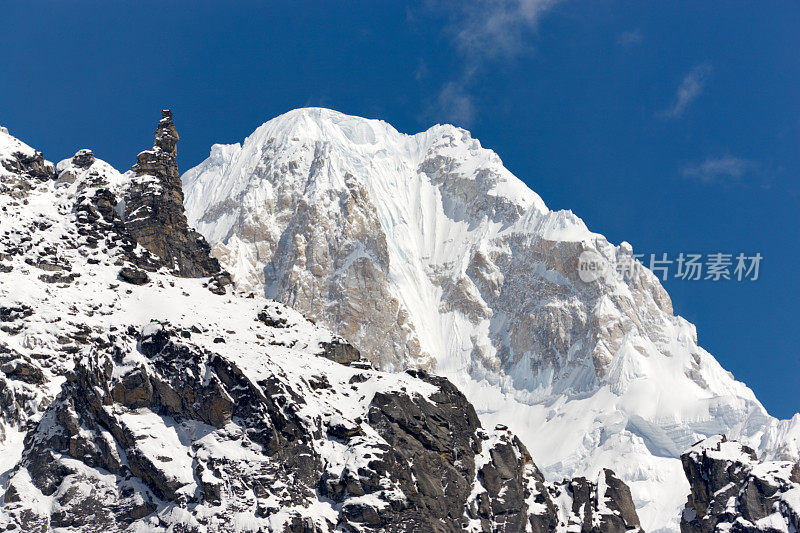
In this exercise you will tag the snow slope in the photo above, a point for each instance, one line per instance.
(424, 251)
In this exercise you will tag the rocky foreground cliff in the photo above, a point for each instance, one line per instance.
(140, 391)
(732, 491)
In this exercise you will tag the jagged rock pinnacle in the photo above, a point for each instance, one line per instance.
(154, 208)
(166, 134)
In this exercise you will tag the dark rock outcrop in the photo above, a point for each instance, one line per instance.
(609, 493)
(341, 351)
(272, 316)
(219, 281)
(28, 166)
(25, 171)
(23, 370)
(423, 462)
(619, 500)
(731, 490)
(134, 276)
(83, 158)
(154, 213)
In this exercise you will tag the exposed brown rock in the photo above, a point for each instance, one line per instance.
(24, 371)
(341, 351)
(154, 213)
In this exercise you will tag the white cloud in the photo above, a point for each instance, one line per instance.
(495, 28)
(481, 32)
(630, 38)
(725, 169)
(689, 90)
(454, 104)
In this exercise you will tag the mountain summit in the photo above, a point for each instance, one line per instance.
(424, 251)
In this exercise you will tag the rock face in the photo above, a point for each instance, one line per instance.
(731, 490)
(609, 494)
(83, 158)
(424, 251)
(413, 462)
(135, 401)
(21, 166)
(153, 208)
(133, 438)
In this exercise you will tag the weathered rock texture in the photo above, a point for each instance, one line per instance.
(154, 213)
(732, 491)
(21, 167)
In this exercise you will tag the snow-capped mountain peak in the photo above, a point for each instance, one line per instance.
(424, 251)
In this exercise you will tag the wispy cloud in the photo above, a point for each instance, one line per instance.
(494, 28)
(725, 169)
(630, 38)
(483, 33)
(454, 104)
(688, 91)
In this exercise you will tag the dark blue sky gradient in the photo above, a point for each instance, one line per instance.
(574, 108)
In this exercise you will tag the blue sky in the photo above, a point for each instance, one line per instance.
(672, 125)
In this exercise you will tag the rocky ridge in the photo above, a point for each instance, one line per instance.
(136, 396)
